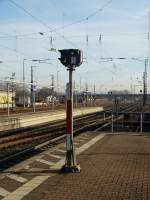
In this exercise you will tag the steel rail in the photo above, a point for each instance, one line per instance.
(40, 141)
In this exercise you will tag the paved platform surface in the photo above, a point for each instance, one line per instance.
(117, 167)
(19, 180)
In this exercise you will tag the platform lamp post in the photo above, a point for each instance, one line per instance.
(23, 77)
(12, 85)
(52, 90)
(58, 85)
(141, 99)
(70, 58)
(8, 111)
(32, 98)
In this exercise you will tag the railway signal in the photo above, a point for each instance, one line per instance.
(70, 58)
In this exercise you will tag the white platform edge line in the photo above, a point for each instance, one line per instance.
(45, 161)
(56, 156)
(17, 178)
(3, 192)
(24, 190)
(60, 150)
(76, 143)
(27, 188)
(84, 147)
(89, 144)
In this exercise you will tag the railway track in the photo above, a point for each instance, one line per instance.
(30, 110)
(117, 117)
(28, 141)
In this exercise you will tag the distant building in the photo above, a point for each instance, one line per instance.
(50, 99)
(20, 101)
(4, 100)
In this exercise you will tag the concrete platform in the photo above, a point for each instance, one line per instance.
(116, 167)
(19, 121)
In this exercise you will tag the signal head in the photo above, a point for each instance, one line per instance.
(71, 58)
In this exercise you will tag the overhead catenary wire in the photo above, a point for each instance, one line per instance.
(13, 50)
(58, 10)
(40, 21)
(62, 27)
(36, 33)
(25, 36)
(87, 17)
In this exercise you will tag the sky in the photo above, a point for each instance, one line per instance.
(100, 28)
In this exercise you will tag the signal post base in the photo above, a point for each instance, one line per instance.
(71, 169)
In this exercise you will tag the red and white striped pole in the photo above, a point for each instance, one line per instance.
(69, 122)
(70, 58)
(70, 165)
